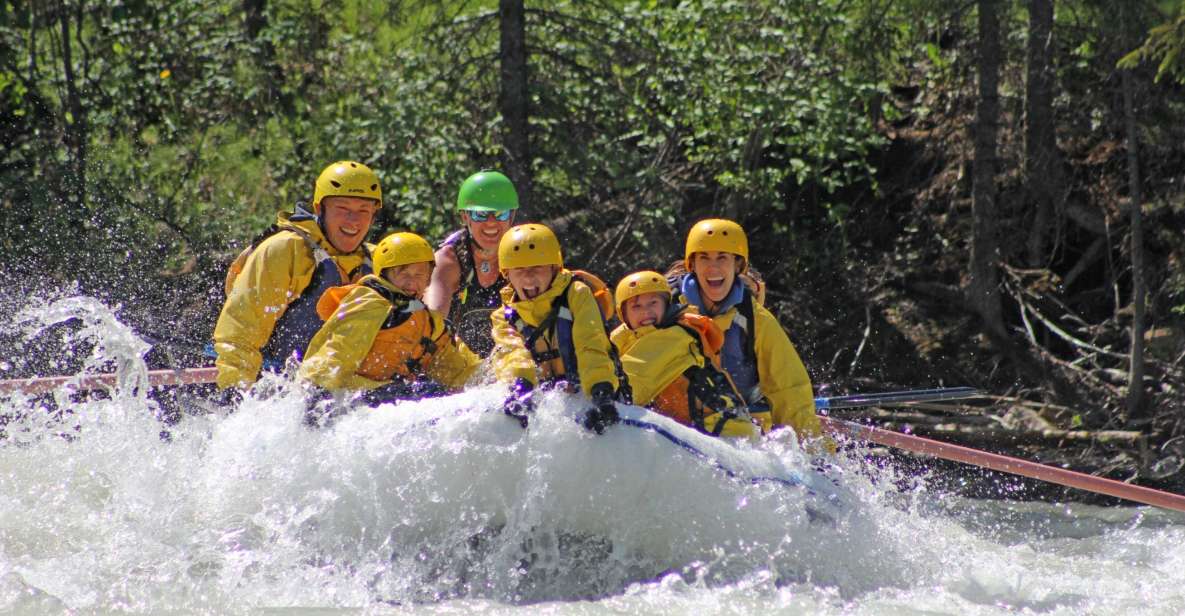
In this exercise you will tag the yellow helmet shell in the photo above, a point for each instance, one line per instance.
(401, 249)
(717, 235)
(347, 178)
(527, 246)
(639, 283)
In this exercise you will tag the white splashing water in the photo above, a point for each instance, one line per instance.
(445, 505)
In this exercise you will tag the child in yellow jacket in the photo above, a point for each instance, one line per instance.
(757, 353)
(671, 356)
(550, 328)
(379, 336)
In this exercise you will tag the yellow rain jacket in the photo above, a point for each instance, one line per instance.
(353, 349)
(781, 374)
(655, 360)
(273, 276)
(590, 345)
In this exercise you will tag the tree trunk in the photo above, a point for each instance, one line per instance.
(1042, 164)
(1135, 386)
(32, 43)
(75, 124)
(984, 289)
(513, 97)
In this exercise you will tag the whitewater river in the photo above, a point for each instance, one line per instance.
(447, 506)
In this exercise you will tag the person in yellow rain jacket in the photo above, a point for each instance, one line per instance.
(757, 354)
(671, 356)
(550, 328)
(273, 287)
(378, 335)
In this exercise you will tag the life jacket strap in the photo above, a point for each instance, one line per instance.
(712, 389)
(531, 335)
(415, 364)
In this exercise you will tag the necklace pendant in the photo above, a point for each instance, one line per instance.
(485, 267)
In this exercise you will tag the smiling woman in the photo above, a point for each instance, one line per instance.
(757, 353)
(467, 278)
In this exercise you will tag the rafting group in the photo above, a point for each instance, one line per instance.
(401, 320)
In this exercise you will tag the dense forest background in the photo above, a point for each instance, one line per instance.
(973, 192)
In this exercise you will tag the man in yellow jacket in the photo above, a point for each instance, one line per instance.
(757, 353)
(379, 336)
(550, 328)
(671, 356)
(272, 289)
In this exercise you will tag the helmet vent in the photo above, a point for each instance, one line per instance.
(335, 183)
(711, 232)
(374, 186)
(354, 165)
(530, 246)
(633, 283)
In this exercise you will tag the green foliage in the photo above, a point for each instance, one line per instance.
(199, 128)
(758, 101)
(1164, 45)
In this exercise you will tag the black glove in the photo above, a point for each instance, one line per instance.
(520, 403)
(604, 411)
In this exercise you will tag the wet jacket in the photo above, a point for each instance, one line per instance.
(660, 361)
(760, 358)
(270, 309)
(374, 334)
(472, 304)
(589, 347)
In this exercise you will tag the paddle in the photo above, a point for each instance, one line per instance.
(975, 457)
(42, 385)
(895, 397)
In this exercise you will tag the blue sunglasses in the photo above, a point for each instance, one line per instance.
(482, 216)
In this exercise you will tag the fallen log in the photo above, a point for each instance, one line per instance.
(1018, 427)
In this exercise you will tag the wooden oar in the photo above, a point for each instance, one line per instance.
(984, 459)
(42, 385)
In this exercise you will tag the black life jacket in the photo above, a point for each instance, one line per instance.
(472, 304)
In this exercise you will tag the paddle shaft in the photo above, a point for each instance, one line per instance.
(42, 385)
(896, 397)
(1006, 464)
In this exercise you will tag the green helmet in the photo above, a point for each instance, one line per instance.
(487, 191)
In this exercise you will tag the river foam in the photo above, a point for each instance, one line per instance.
(444, 505)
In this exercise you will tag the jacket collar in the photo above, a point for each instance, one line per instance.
(533, 311)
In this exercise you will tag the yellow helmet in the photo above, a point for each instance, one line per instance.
(639, 283)
(347, 178)
(529, 245)
(720, 235)
(401, 249)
